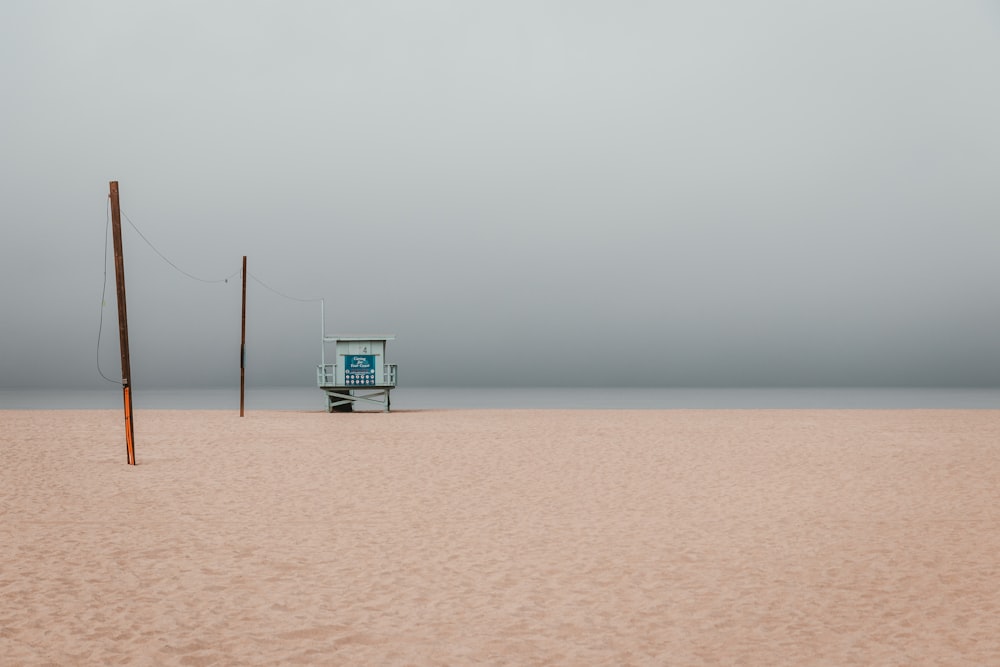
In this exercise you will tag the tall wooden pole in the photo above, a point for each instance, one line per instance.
(116, 229)
(243, 338)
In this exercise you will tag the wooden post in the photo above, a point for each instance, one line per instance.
(243, 338)
(116, 229)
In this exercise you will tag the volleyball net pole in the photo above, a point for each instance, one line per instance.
(243, 338)
(116, 229)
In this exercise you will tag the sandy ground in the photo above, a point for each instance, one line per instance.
(514, 537)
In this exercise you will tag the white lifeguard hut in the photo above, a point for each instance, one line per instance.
(360, 372)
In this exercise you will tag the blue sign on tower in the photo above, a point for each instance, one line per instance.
(359, 370)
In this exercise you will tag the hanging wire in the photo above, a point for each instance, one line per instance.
(179, 269)
(285, 296)
(104, 292)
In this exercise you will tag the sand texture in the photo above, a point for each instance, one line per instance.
(505, 537)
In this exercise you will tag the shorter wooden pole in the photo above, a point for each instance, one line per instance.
(243, 338)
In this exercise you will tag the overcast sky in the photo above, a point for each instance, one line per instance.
(690, 193)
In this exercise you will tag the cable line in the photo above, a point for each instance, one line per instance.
(164, 257)
(285, 296)
(104, 288)
(104, 292)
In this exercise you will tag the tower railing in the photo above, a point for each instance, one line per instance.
(326, 375)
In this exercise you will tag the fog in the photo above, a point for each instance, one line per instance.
(525, 193)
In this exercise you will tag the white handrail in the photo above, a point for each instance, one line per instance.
(326, 375)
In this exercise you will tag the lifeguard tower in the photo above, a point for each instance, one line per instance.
(359, 373)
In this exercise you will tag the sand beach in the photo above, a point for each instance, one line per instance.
(501, 537)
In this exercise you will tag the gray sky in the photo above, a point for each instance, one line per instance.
(694, 193)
